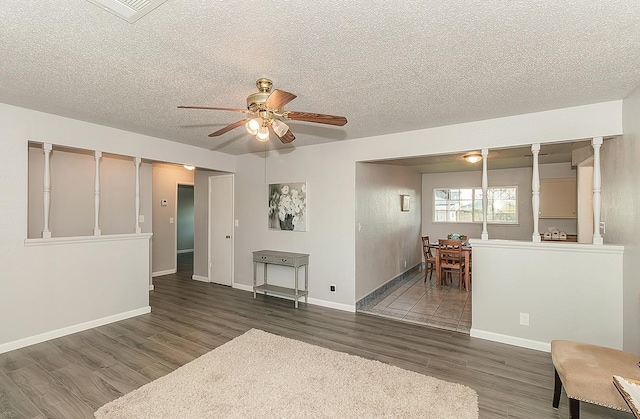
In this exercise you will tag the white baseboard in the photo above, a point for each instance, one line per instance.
(314, 301)
(511, 340)
(185, 251)
(243, 287)
(199, 278)
(32, 340)
(330, 304)
(167, 272)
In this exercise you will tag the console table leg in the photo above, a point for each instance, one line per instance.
(255, 268)
(306, 282)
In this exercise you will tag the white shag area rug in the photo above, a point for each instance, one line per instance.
(261, 375)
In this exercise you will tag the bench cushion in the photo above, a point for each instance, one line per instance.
(586, 371)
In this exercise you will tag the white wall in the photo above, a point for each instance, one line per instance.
(57, 289)
(387, 239)
(330, 240)
(570, 291)
(621, 211)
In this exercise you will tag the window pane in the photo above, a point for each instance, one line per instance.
(465, 205)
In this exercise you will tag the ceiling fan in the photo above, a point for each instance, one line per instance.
(266, 113)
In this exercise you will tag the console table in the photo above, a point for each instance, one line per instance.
(274, 257)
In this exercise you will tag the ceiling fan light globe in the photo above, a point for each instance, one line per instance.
(263, 134)
(279, 127)
(252, 126)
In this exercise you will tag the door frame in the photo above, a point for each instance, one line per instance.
(232, 226)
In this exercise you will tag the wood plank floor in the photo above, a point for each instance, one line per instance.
(72, 376)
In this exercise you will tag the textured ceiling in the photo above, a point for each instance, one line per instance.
(387, 66)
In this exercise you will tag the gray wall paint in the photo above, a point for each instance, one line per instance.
(165, 185)
(72, 193)
(621, 212)
(185, 217)
(388, 236)
(504, 177)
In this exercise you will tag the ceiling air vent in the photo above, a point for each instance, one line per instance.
(129, 10)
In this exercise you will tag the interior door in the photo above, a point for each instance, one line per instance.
(221, 229)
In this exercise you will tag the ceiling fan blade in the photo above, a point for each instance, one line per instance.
(229, 127)
(316, 117)
(216, 109)
(286, 138)
(279, 98)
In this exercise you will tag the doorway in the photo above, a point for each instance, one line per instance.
(184, 229)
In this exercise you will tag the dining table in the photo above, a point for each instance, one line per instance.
(466, 252)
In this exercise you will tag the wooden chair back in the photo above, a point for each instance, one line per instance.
(451, 259)
(426, 249)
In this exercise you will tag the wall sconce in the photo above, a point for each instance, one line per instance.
(473, 157)
(186, 166)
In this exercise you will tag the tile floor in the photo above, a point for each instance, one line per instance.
(412, 300)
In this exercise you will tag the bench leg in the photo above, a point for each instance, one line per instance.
(574, 409)
(557, 389)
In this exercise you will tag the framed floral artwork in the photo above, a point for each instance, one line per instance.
(288, 206)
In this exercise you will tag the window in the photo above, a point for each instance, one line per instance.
(464, 205)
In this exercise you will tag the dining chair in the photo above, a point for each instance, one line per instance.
(451, 260)
(429, 259)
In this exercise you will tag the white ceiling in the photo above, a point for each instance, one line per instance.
(387, 66)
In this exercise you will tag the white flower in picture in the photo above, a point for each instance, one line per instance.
(288, 206)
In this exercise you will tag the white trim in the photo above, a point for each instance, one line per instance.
(199, 278)
(32, 340)
(185, 251)
(330, 304)
(316, 302)
(86, 239)
(511, 340)
(550, 246)
(151, 287)
(160, 273)
(242, 287)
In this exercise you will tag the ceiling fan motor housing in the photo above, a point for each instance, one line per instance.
(255, 101)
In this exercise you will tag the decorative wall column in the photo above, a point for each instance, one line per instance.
(137, 161)
(46, 190)
(96, 227)
(596, 142)
(485, 188)
(535, 194)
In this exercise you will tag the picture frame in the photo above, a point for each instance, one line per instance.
(288, 206)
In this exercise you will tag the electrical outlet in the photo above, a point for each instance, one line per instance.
(405, 263)
(602, 229)
(332, 287)
(524, 319)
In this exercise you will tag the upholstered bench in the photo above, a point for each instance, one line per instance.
(586, 373)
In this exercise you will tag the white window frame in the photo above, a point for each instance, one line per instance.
(473, 201)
